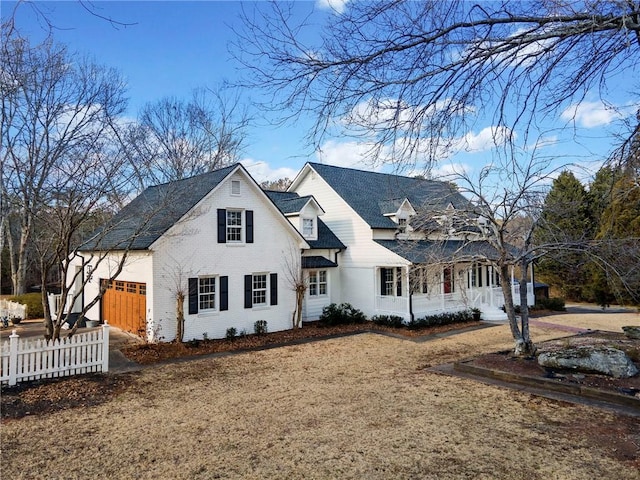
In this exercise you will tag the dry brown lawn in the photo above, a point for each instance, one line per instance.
(361, 407)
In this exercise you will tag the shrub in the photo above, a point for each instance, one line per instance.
(441, 319)
(33, 301)
(342, 314)
(554, 304)
(260, 327)
(231, 333)
(392, 321)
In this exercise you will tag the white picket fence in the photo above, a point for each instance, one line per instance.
(29, 359)
(9, 309)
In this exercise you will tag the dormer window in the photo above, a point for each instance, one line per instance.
(308, 227)
(402, 225)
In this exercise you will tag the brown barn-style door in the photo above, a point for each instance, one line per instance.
(124, 305)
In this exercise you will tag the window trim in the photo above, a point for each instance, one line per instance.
(237, 228)
(316, 284)
(311, 234)
(263, 291)
(214, 293)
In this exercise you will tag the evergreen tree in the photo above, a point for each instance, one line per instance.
(566, 220)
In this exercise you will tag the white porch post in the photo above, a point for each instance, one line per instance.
(442, 288)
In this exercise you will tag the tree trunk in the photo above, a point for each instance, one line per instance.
(528, 347)
(180, 317)
(523, 345)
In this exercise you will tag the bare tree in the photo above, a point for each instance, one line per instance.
(411, 78)
(279, 185)
(297, 282)
(56, 108)
(176, 139)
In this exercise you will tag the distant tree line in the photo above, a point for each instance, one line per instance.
(604, 215)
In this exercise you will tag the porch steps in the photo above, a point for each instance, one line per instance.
(493, 315)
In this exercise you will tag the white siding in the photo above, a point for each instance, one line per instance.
(190, 248)
(363, 254)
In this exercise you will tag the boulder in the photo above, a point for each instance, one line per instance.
(598, 359)
(631, 332)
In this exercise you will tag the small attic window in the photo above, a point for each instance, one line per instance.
(402, 225)
(235, 187)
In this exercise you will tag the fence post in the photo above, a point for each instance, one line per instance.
(13, 358)
(105, 347)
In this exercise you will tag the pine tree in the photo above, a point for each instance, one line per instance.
(566, 220)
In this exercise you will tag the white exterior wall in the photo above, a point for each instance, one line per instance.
(138, 267)
(191, 247)
(357, 263)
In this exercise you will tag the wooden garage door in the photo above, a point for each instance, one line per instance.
(124, 305)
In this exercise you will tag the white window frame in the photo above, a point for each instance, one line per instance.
(392, 282)
(210, 293)
(233, 230)
(318, 283)
(305, 232)
(258, 290)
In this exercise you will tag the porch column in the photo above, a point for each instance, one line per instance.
(442, 289)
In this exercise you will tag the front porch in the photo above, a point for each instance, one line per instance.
(419, 291)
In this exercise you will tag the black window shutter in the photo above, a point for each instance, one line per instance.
(249, 219)
(273, 283)
(382, 281)
(224, 293)
(398, 282)
(248, 291)
(222, 225)
(479, 275)
(193, 296)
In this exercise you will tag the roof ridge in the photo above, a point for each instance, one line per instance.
(370, 172)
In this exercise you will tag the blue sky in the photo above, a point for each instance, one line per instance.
(170, 48)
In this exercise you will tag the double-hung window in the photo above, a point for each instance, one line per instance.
(307, 227)
(207, 293)
(317, 283)
(234, 226)
(391, 281)
(259, 289)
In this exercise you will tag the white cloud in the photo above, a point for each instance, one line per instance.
(262, 171)
(449, 171)
(486, 139)
(347, 154)
(337, 6)
(592, 114)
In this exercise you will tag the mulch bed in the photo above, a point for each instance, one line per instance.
(149, 353)
(506, 362)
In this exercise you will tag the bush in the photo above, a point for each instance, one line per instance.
(554, 304)
(33, 301)
(231, 333)
(342, 314)
(441, 319)
(260, 327)
(392, 321)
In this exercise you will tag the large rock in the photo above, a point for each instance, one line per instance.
(599, 359)
(631, 331)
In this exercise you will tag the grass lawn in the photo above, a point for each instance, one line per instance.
(361, 407)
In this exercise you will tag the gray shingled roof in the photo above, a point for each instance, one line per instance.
(371, 194)
(427, 251)
(153, 212)
(316, 261)
(288, 202)
(291, 202)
